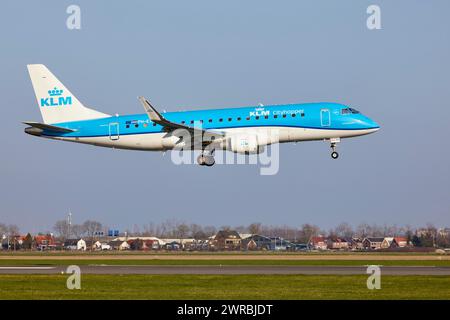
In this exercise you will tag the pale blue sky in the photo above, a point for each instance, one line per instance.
(204, 54)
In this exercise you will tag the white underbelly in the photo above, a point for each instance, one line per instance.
(266, 136)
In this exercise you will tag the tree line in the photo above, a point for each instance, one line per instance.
(174, 229)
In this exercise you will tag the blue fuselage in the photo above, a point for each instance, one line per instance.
(315, 116)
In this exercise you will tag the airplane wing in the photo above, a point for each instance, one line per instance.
(48, 127)
(208, 135)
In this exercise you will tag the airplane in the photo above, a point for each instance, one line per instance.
(244, 130)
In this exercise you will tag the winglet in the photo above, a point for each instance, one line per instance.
(154, 115)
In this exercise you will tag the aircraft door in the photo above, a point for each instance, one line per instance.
(325, 117)
(114, 131)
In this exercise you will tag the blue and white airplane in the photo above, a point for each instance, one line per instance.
(242, 130)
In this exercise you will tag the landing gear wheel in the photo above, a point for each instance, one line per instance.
(209, 161)
(201, 160)
(205, 160)
(334, 155)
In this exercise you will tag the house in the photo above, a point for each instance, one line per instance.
(400, 242)
(227, 240)
(45, 242)
(279, 244)
(150, 244)
(182, 242)
(387, 242)
(70, 244)
(119, 245)
(81, 245)
(256, 242)
(372, 243)
(355, 243)
(337, 244)
(318, 243)
(136, 244)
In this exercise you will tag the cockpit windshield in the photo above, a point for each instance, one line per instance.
(349, 111)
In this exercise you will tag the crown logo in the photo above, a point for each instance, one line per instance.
(55, 92)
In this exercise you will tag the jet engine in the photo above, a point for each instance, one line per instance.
(245, 144)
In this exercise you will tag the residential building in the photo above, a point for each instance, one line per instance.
(337, 244)
(372, 243)
(226, 240)
(318, 243)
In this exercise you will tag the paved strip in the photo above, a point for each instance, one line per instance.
(232, 270)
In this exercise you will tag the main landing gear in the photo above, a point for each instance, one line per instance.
(333, 142)
(206, 158)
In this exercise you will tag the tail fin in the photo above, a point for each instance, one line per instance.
(56, 102)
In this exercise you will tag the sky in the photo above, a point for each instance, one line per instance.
(202, 54)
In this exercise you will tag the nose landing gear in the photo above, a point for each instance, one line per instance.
(333, 142)
(206, 159)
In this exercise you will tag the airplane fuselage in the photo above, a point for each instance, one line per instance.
(292, 122)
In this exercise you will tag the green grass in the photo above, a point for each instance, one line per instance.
(152, 261)
(223, 287)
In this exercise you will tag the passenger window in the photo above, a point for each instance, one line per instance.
(192, 121)
(220, 120)
(293, 115)
(154, 124)
(275, 116)
(257, 117)
(136, 125)
(284, 116)
(183, 122)
(127, 126)
(248, 118)
(266, 117)
(229, 119)
(302, 114)
(239, 119)
(210, 120)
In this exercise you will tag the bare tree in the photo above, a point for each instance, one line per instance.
(254, 228)
(182, 231)
(344, 230)
(197, 232)
(210, 230)
(3, 229)
(91, 227)
(13, 230)
(78, 230)
(62, 229)
(307, 231)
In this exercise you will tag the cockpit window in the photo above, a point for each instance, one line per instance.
(349, 111)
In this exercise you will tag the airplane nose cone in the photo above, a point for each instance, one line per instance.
(370, 124)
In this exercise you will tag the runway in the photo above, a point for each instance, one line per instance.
(229, 270)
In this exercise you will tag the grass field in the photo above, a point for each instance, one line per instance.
(223, 287)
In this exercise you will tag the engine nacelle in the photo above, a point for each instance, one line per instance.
(245, 144)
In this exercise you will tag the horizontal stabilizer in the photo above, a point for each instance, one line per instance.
(48, 127)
